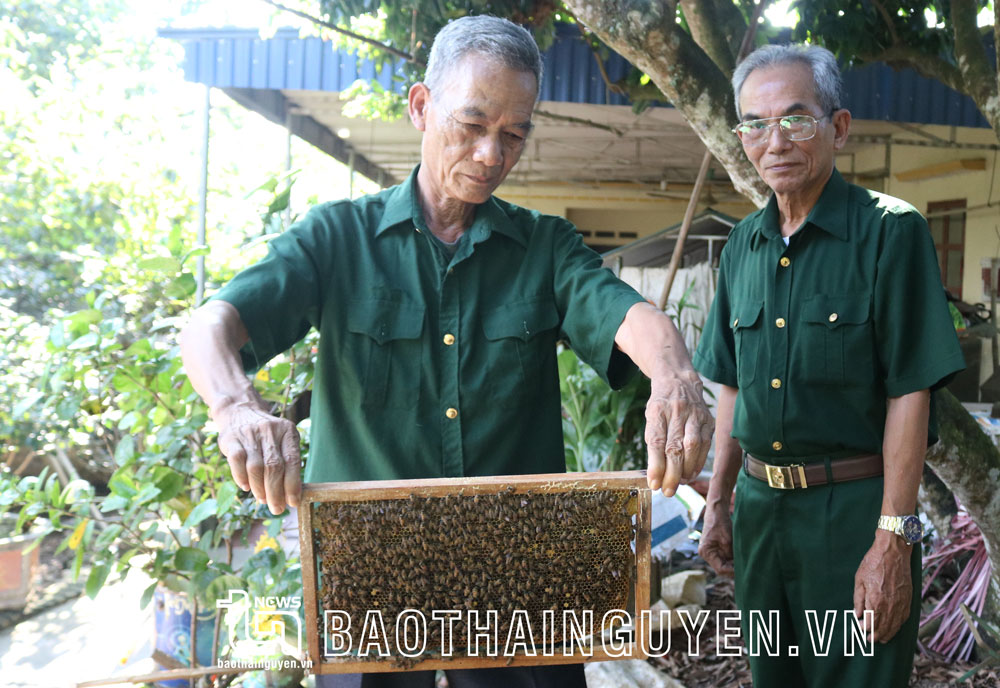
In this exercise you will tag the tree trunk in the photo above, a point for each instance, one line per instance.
(968, 462)
(648, 35)
(936, 502)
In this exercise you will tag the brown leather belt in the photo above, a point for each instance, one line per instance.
(811, 474)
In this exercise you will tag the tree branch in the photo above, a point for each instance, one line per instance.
(731, 24)
(579, 120)
(704, 24)
(887, 18)
(970, 53)
(925, 65)
(647, 35)
(614, 88)
(967, 462)
(350, 34)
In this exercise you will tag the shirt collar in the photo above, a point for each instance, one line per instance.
(829, 214)
(403, 205)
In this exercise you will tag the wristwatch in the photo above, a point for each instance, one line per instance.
(907, 527)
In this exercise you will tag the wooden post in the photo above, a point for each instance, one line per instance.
(675, 259)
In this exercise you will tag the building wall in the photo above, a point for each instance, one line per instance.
(982, 223)
(617, 214)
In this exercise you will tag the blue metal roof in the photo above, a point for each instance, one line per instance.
(239, 58)
(879, 92)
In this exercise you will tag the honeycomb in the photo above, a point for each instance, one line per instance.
(531, 551)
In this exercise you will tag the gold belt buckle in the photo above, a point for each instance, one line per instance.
(780, 477)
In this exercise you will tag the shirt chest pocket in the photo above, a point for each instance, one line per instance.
(519, 337)
(389, 350)
(748, 337)
(838, 340)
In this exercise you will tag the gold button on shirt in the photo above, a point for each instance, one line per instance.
(449, 339)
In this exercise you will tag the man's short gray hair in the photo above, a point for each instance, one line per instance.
(498, 39)
(822, 63)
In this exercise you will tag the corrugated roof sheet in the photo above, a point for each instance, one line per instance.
(239, 58)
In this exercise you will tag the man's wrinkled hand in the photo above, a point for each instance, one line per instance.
(716, 545)
(883, 584)
(263, 454)
(678, 431)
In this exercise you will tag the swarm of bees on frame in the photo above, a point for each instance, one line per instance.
(506, 551)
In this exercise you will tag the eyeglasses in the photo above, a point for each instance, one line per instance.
(754, 132)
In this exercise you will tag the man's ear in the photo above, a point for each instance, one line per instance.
(841, 127)
(418, 100)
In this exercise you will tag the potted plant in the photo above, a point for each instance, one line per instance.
(18, 560)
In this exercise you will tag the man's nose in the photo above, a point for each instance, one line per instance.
(488, 151)
(776, 140)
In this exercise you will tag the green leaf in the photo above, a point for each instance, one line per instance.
(181, 287)
(226, 496)
(87, 341)
(125, 451)
(86, 317)
(201, 250)
(114, 503)
(148, 493)
(140, 346)
(95, 581)
(164, 264)
(57, 335)
(280, 201)
(220, 587)
(190, 559)
(108, 536)
(169, 482)
(22, 406)
(181, 504)
(121, 483)
(270, 185)
(77, 562)
(147, 595)
(200, 513)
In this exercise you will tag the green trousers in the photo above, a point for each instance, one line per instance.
(796, 551)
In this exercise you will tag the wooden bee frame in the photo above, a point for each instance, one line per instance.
(561, 487)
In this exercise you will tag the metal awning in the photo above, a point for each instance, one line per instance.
(708, 233)
(585, 134)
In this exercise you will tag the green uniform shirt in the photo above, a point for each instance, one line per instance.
(430, 364)
(817, 334)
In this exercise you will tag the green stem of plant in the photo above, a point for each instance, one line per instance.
(153, 392)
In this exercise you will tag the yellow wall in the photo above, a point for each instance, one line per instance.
(628, 209)
(982, 224)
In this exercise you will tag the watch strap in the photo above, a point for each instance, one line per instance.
(894, 524)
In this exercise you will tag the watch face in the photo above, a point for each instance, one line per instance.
(913, 530)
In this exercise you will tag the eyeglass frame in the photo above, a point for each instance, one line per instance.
(777, 121)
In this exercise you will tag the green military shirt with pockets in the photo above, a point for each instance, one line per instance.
(817, 334)
(432, 364)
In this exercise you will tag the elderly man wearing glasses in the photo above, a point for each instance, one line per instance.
(829, 332)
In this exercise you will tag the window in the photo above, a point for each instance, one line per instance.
(947, 223)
